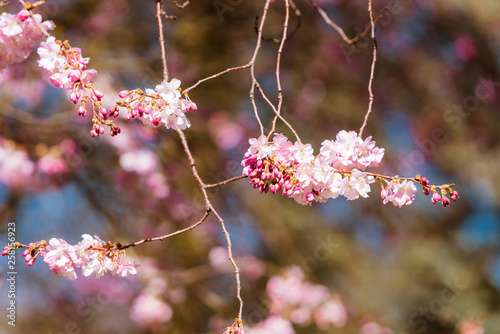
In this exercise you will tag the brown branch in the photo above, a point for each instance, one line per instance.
(163, 237)
(278, 61)
(159, 13)
(370, 92)
(276, 40)
(207, 186)
(221, 221)
(350, 41)
(183, 5)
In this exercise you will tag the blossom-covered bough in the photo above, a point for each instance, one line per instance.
(272, 163)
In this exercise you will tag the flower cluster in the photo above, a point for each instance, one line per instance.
(293, 170)
(19, 34)
(338, 170)
(69, 71)
(163, 105)
(398, 192)
(442, 195)
(303, 302)
(236, 328)
(93, 255)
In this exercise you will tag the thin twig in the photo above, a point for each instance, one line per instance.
(163, 237)
(183, 5)
(370, 92)
(218, 184)
(350, 41)
(159, 13)
(278, 62)
(211, 208)
(331, 23)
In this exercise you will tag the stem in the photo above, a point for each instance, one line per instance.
(210, 207)
(370, 92)
(207, 186)
(163, 237)
(159, 13)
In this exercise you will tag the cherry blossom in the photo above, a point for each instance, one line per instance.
(91, 254)
(163, 105)
(399, 193)
(294, 170)
(339, 170)
(18, 35)
(68, 69)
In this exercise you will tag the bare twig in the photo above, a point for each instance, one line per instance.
(350, 41)
(163, 237)
(370, 92)
(218, 184)
(159, 13)
(181, 6)
(221, 221)
(278, 61)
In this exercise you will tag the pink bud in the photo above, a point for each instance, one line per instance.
(310, 197)
(28, 258)
(23, 15)
(82, 111)
(98, 94)
(56, 79)
(156, 121)
(435, 197)
(446, 201)
(74, 96)
(424, 180)
(383, 193)
(6, 250)
(123, 93)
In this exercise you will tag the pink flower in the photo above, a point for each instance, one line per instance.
(360, 181)
(400, 193)
(18, 35)
(169, 90)
(126, 268)
(60, 258)
(50, 59)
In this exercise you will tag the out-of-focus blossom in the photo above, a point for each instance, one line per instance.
(141, 161)
(273, 324)
(148, 310)
(16, 167)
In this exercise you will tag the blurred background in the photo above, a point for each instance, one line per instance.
(335, 267)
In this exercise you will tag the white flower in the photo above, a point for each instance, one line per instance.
(49, 55)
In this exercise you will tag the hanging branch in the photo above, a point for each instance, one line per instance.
(159, 13)
(350, 41)
(370, 92)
